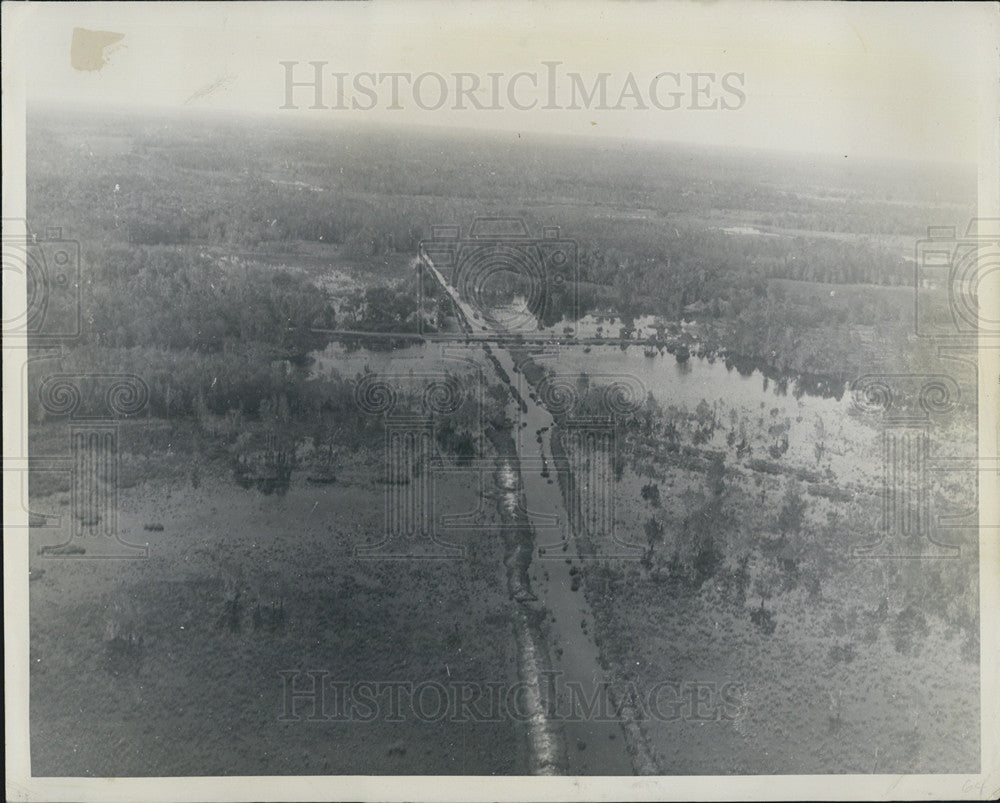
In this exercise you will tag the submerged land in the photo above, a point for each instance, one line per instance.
(694, 560)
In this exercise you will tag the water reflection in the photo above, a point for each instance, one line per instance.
(738, 389)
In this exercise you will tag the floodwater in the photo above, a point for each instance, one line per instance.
(595, 745)
(756, 400)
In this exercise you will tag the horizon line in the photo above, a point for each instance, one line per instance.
(303, 119)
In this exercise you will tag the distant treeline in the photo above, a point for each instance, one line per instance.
(155, 202)
(179, 300)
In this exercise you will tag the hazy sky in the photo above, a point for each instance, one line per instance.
(908, 80)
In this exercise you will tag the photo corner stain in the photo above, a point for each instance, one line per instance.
(88, 51)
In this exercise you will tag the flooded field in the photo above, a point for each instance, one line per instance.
(662, 483)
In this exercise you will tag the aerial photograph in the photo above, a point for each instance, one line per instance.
(563, 442)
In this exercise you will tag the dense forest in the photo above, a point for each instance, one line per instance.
(660, 229)
(182, 225)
